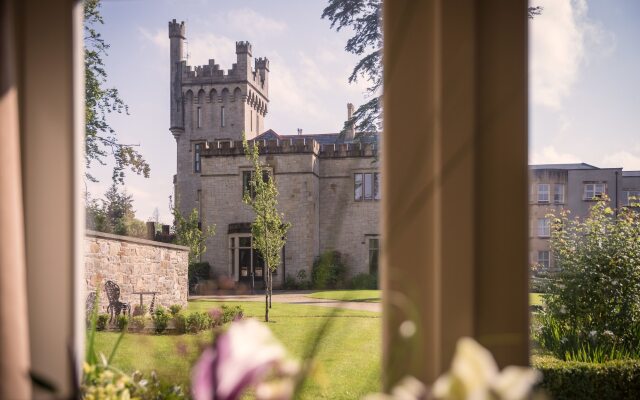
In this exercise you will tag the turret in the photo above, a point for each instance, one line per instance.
(243, 55)
(262, 70)
(176, 56)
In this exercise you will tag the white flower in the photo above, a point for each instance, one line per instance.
(474, 375)
(409, 388)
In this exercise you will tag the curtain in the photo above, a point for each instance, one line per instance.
(14, 338)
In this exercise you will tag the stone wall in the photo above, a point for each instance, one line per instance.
(136, 265)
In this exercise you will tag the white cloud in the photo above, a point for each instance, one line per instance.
(562, 40)
(203, 47)
(252, 24)
(624, 159)
(549, 155)
(159, 38)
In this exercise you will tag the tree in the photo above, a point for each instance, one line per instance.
(114, 214)
(596, 293)
(190, 232)
(363, 17)
(100, 138)
(268, 229)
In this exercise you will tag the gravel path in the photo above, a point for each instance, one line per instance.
(298, 298)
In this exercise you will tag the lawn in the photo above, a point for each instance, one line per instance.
(348, 359)
(374, 296)
(369, 296)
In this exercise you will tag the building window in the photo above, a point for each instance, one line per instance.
(245, 263)
(543, 259)
(198, 118)
(631, 198)
(543, 192)
(222, 116)
(246, 182)
(558, 193)
(197, 161)
(594, 190)
(257, 123)
(544, 227)
(251, 120)
(367, 186)
(374, 254)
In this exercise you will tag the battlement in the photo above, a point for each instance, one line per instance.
(243, 48)
(177, 29)
(262, 63)
(291, 146)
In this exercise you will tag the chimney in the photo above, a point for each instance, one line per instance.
(151, 230)
(351, 130)
(299, 131)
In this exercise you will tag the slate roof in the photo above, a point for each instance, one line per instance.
(631, 173)
(322, 138)
(563, 166)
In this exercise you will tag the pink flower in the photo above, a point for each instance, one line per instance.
(241, 357)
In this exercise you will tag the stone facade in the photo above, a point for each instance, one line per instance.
(315, 174)
(136, 265)
(563, 186)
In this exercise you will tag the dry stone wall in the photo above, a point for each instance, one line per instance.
(136, 265)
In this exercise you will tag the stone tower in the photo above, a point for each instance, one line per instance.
(208, 103)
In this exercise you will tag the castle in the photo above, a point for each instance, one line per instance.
(329, 183)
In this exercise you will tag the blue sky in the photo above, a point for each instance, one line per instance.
(584, 84)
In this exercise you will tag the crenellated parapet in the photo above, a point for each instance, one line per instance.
(291, 146)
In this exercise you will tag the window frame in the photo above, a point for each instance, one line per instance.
(197, 157)
(558, 196)
(545, 262)
(371, 250)
(636, 195)
(595, 194)
(543, 228)
(360, 183)
(542, 192)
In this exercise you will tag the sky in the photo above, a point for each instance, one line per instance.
(584, 87)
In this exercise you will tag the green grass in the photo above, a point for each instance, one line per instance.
(369, 296)
(535, 299)
(348, 359)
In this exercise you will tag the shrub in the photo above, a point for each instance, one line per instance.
(175, 309)
(579, 380)
(180, 321)
(328, 271)
(198, 321)
(231, 313)
(593, 303)
(122, 322)
(196, 272)
(160, 319)
(137, 323)
(139, 310)
(364, 281)
(101, 322)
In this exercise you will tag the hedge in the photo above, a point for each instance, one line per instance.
(578, 380)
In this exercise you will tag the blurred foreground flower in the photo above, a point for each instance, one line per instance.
(245, 355)
(474, 375)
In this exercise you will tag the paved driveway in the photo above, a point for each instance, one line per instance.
(298, 298)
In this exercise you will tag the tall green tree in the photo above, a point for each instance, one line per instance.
(114, 214)
(268, 229)
(191, 232)
(363, 17)
(101, 139)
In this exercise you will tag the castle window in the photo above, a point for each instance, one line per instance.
(594, 190)
(222, 116)
(374, 253)
(246, 182)
(543, 192)
(257, 123)
(544, 259)
(198, 118)
(366, 186)
(544, 227)
(632, 198)
(558, 193)
(197, 165)
(251, 120)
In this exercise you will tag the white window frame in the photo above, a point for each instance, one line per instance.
(544, 189)
(558, 195)
(222, 119)
(374, 193)
(631, 193)
(591, 191)
(197, 158)
(199, 117)
(544, 258)
(544, 227)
